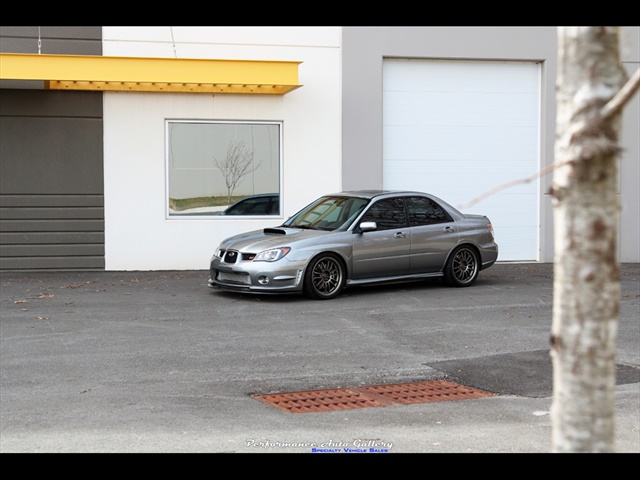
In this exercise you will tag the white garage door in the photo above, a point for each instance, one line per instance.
(458, 129)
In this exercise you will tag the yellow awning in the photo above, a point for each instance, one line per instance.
(144, 74)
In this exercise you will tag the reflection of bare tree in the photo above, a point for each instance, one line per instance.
(237, 164)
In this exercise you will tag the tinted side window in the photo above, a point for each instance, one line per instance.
(388, 213)
(424, 211)
(252, 206)
(274, 208)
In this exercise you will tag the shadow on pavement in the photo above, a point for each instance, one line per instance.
(525, 374)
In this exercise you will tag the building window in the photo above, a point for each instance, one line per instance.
(211, 166)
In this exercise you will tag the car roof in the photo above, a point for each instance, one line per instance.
(369, 194)
(260, 195)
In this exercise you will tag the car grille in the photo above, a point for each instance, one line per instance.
(231, 256)
(242, 278)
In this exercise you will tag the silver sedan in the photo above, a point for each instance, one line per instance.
(357, 238)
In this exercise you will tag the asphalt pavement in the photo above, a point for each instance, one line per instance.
(157, 362)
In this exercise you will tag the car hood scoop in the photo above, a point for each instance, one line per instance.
(275, 231)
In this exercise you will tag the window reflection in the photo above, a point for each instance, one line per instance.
(211, 166)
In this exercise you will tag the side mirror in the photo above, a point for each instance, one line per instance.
(368, 226)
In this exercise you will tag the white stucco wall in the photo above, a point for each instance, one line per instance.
(138, 234)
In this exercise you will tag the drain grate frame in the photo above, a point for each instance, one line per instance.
(331, 400)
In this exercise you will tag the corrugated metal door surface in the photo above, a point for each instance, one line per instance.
(51, 180)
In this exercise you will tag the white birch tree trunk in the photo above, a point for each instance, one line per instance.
(586, 213)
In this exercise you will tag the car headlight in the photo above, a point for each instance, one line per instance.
(271, 255)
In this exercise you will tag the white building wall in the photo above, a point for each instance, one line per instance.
(138, 234)
(629, 233)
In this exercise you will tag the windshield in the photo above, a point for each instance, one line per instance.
(328, 213)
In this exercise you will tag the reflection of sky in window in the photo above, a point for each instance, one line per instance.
(192, 147)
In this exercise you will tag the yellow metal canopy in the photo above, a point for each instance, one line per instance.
(144, 74)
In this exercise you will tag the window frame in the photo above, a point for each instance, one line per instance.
(171, 214)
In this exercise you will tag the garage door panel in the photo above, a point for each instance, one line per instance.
(50, 250)
(515, 244)
(459, 129)
(484, 178)
(419, 165)
(461, 143)
(76, 140)
(456, 189)
(39, 213)
(453, 75)
(51, 180)
(514, 165)
(463, 109)
(52, 263)
(48, 238)
(513, 219)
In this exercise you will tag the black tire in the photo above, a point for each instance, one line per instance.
(462, 268)
(324, 278)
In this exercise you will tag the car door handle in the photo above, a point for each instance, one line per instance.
(448, 229)
(400, 235)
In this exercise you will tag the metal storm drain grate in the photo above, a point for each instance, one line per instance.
(312, 401)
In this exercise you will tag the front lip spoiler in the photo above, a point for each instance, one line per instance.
(239, 288)
(252, 289)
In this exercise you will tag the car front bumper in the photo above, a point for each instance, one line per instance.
(257, 277)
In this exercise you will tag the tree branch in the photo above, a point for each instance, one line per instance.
(513, 183)
(620, 99)
(614, 106)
